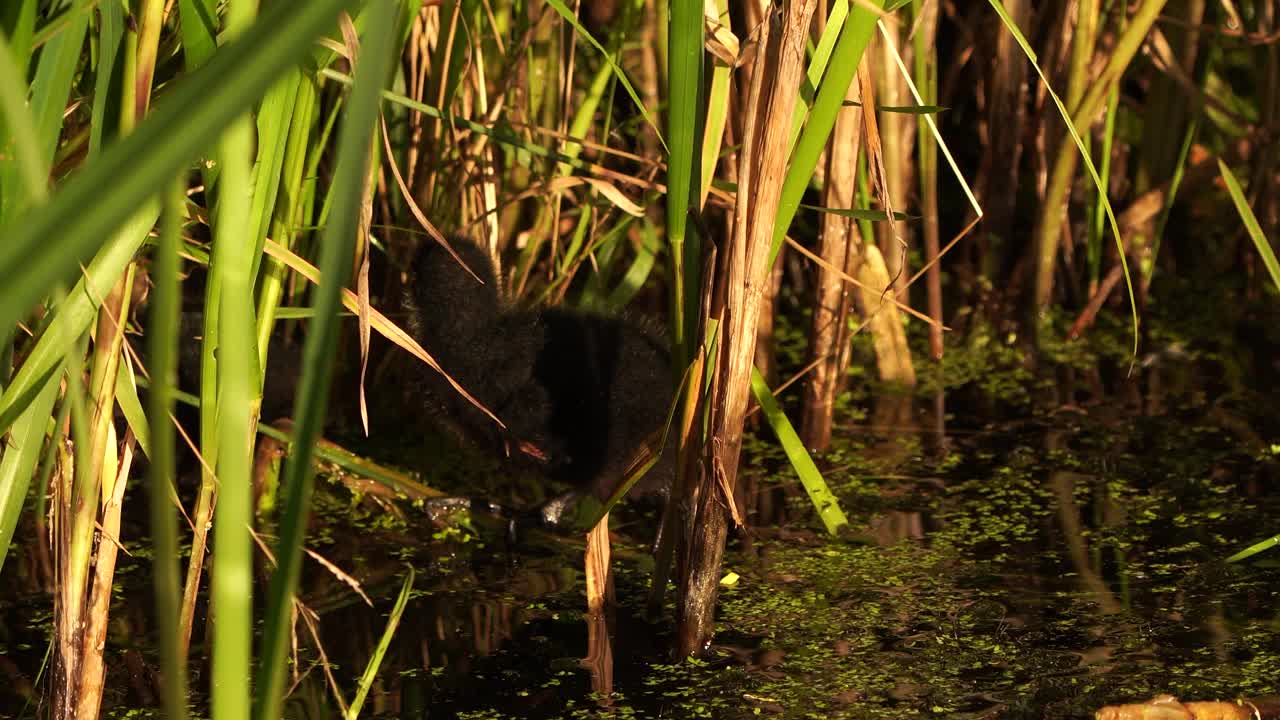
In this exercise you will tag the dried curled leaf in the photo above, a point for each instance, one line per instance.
(1167, 707)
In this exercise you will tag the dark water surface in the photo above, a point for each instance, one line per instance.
(1041, 567)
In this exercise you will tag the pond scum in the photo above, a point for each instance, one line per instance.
(972, 319)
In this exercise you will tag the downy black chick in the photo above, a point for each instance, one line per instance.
(579, 392)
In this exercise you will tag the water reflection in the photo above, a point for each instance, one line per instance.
(1042, 567)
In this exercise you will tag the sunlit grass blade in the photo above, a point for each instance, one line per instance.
(50, 87)
(823, 501)
(585, 114)
(283, 227)
(199, 27)
(717, 112)
(1255, 548)
(375, 662)
(274, 119)
(131, 405)
(22, 449)
(1250, 222)
(818, 65)
(336, 257)
(637, 274)
(584, 117)
(20, 129)
(684, 128)
(162, 339)
(233, 259)
(74, 314)
(852, 42)
(100, 196)
(18, 25)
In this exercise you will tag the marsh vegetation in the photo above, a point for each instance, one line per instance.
(947, 332)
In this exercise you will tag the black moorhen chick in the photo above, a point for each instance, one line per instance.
(579, 392)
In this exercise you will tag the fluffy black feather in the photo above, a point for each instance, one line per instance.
(579, 392)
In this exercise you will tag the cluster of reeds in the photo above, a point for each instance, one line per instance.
(295, 151)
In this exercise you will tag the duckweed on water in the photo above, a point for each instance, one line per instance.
(993, 610)
(1037, 569)
(1030, 570)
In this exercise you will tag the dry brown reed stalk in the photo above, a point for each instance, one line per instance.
(106, 361)
(839, 245)
(543, 77)
(92, 669)
(447, 27)
(363, 246)
(479, 158)
(925, 35)
(766, 357)
(206, 502)
(556, 112)
(775, 78)
(66, 660)
(1099, 297)
(893, 356)
(85, 575)
(1001, 126)
(897, 133)
(416, 61)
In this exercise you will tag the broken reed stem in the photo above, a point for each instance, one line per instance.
(775, 79)
(598, 572)
(600, 604)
